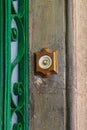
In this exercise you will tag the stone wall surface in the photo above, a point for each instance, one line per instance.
(51, 96)
(77, 65)
(81, 53)
(47, 30)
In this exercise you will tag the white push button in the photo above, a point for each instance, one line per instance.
(45, 62)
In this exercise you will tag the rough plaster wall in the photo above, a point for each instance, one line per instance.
(47, 30)
(81, 50)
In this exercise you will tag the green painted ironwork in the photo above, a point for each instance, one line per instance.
(14, 94)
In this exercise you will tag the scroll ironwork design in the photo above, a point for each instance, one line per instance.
(16, 104)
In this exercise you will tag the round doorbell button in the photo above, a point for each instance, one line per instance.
(45, 62)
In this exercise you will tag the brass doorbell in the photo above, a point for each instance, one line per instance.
(46, 62)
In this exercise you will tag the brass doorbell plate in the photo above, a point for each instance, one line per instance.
(46, 62)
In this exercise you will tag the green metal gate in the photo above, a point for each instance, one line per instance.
(14, 72)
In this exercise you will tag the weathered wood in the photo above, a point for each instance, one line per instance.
(47, 30)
